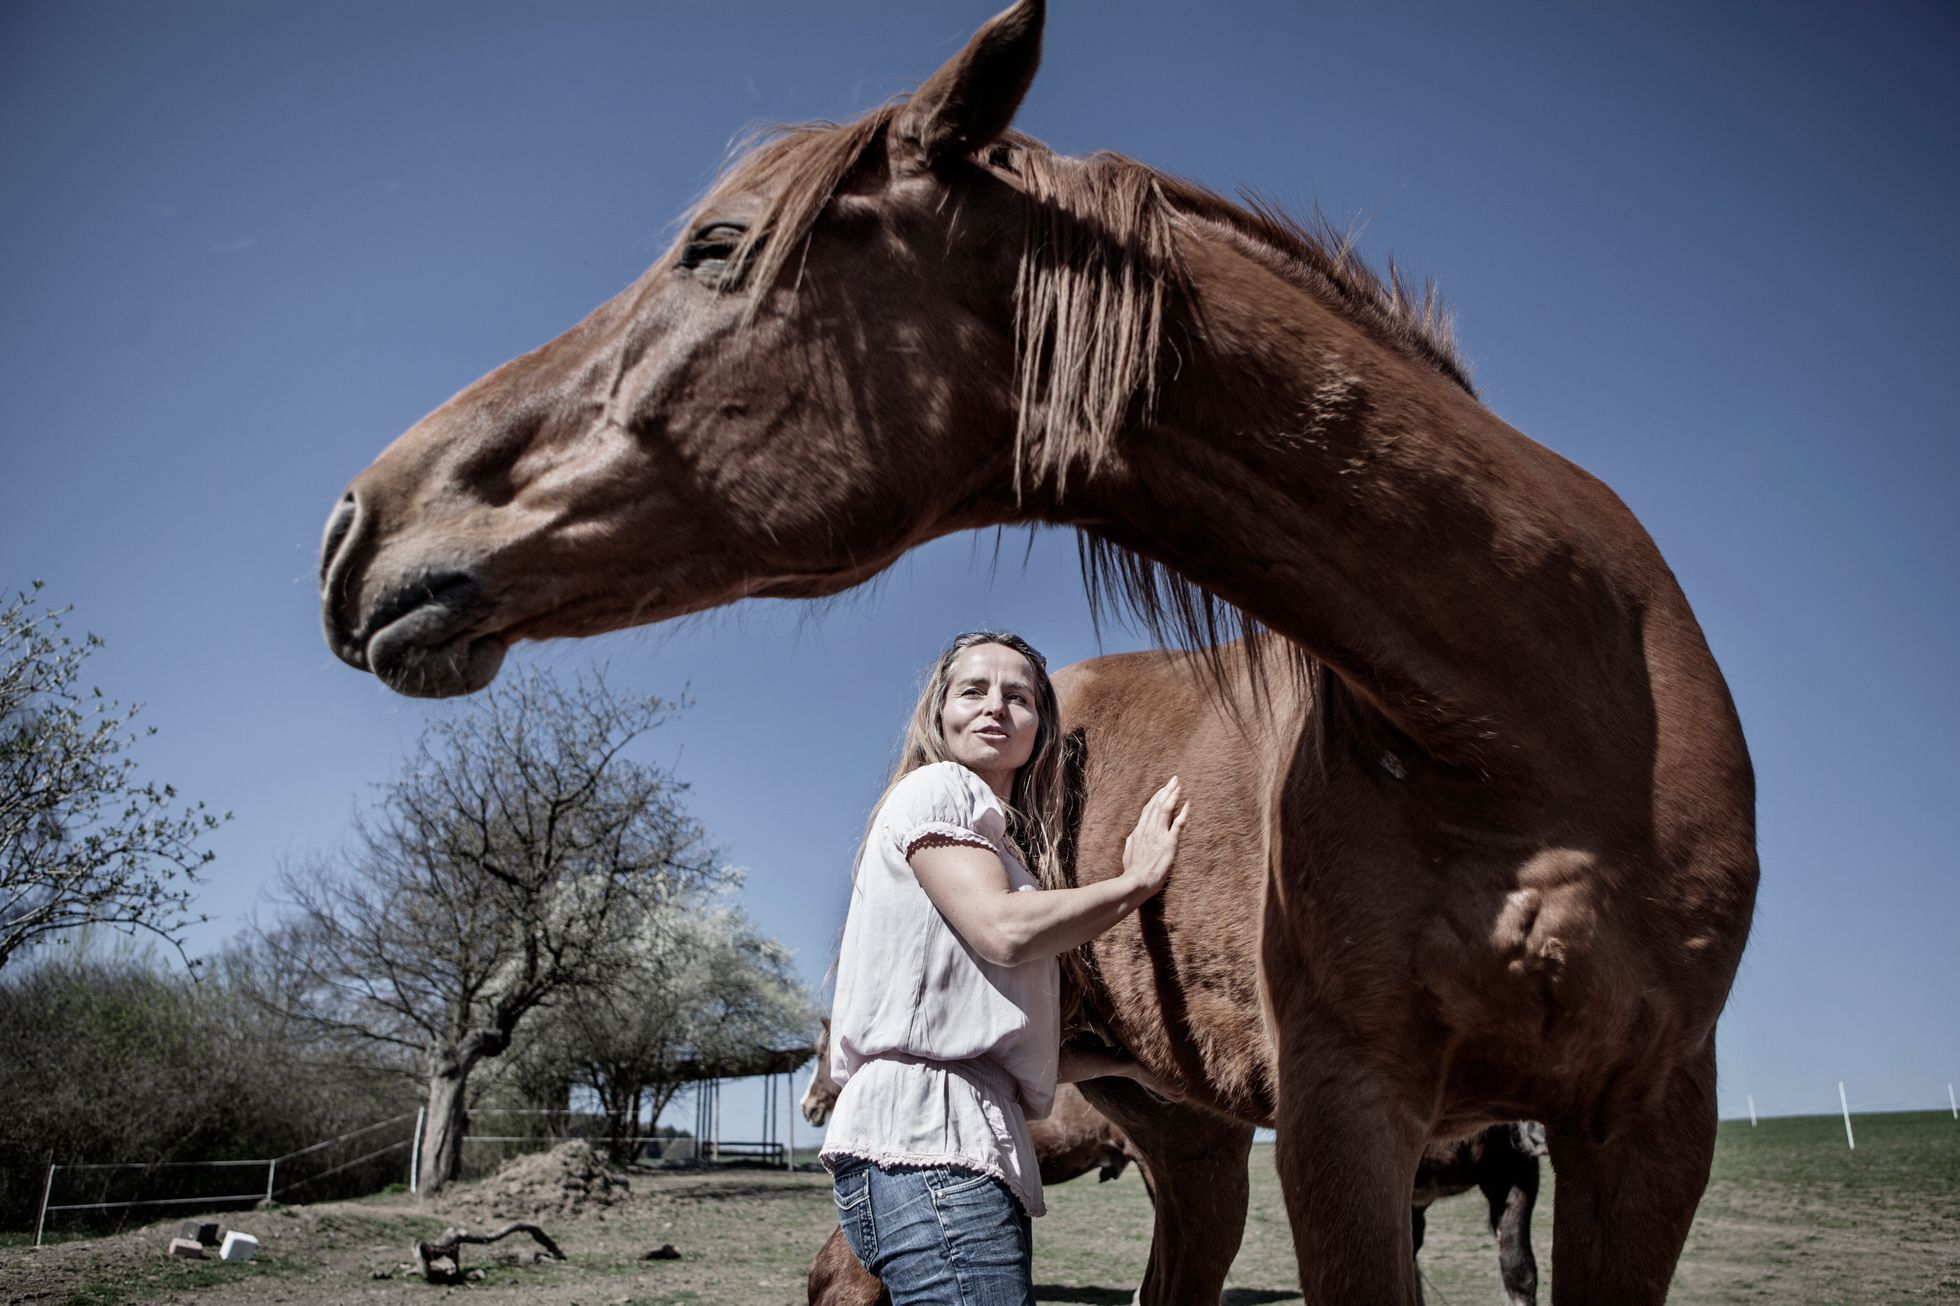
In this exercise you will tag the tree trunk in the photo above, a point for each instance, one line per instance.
(443, 1127)
(621, 1103)
(448, 1115)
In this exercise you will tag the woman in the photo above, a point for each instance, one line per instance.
(945, 1032)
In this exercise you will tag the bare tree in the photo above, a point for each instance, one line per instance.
(500, 870)
(82, 840)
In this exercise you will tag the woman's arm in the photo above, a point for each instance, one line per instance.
(970, 888)
(1080, 1063)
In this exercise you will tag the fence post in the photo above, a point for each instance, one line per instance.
(42, 1220)
(415, 1150)
(271, 1169)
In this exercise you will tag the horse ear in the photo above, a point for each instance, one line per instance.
(969, 102)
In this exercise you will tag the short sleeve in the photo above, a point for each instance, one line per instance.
(943, 801)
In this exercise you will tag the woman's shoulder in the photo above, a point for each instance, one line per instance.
(940, 777)
(939, 793)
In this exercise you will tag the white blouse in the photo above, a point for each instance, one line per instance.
(943, 1056)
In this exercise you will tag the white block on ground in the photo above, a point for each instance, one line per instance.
(187, 1249)
(238, 1247)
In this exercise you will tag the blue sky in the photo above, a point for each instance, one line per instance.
(1705, 251)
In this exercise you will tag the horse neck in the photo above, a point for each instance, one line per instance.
(1481, 593)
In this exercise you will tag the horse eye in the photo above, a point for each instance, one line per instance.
(712, 250)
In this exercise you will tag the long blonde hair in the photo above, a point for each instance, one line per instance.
(1034, 805)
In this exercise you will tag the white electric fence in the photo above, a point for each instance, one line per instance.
(1808, 1109)
(266, 1193)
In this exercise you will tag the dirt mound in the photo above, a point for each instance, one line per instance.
(568, 1181)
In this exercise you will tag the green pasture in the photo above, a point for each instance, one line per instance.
(1791, 1216)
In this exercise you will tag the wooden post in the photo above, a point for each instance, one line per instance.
(415, 1151)
(1845, 1106)
(1752, 1110)
(789, 1153)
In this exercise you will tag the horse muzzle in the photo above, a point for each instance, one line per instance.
(421, 636)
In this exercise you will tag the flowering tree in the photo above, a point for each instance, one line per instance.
(695, 990)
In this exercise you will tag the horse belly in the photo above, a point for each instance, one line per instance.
(1179, 980)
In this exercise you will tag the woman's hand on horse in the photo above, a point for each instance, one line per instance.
(1152, 846)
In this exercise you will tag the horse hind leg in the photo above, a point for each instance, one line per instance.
(1624, 1204)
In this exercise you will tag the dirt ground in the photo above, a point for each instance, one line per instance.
(743, 1236)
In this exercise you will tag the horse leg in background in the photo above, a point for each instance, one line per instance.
(1193, 1164)
(1512, 1193)
(1625, 1203)
(837, 1279)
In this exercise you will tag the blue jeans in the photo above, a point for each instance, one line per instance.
(937, 1236)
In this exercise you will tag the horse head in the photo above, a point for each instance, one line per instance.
(820, 1094)
(816, 377)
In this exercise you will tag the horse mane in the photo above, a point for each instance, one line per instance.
(1101, 283)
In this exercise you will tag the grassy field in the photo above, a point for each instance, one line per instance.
(1790, 1216)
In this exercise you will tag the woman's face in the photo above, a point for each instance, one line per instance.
(990, 719)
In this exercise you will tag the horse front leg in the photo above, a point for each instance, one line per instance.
(1418, 1221)
(1194, 1166)
(1625, 1203)
(1347, 1156)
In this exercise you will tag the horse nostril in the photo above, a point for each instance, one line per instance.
(339, 527)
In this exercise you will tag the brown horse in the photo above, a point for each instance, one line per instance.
(1507, 865)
